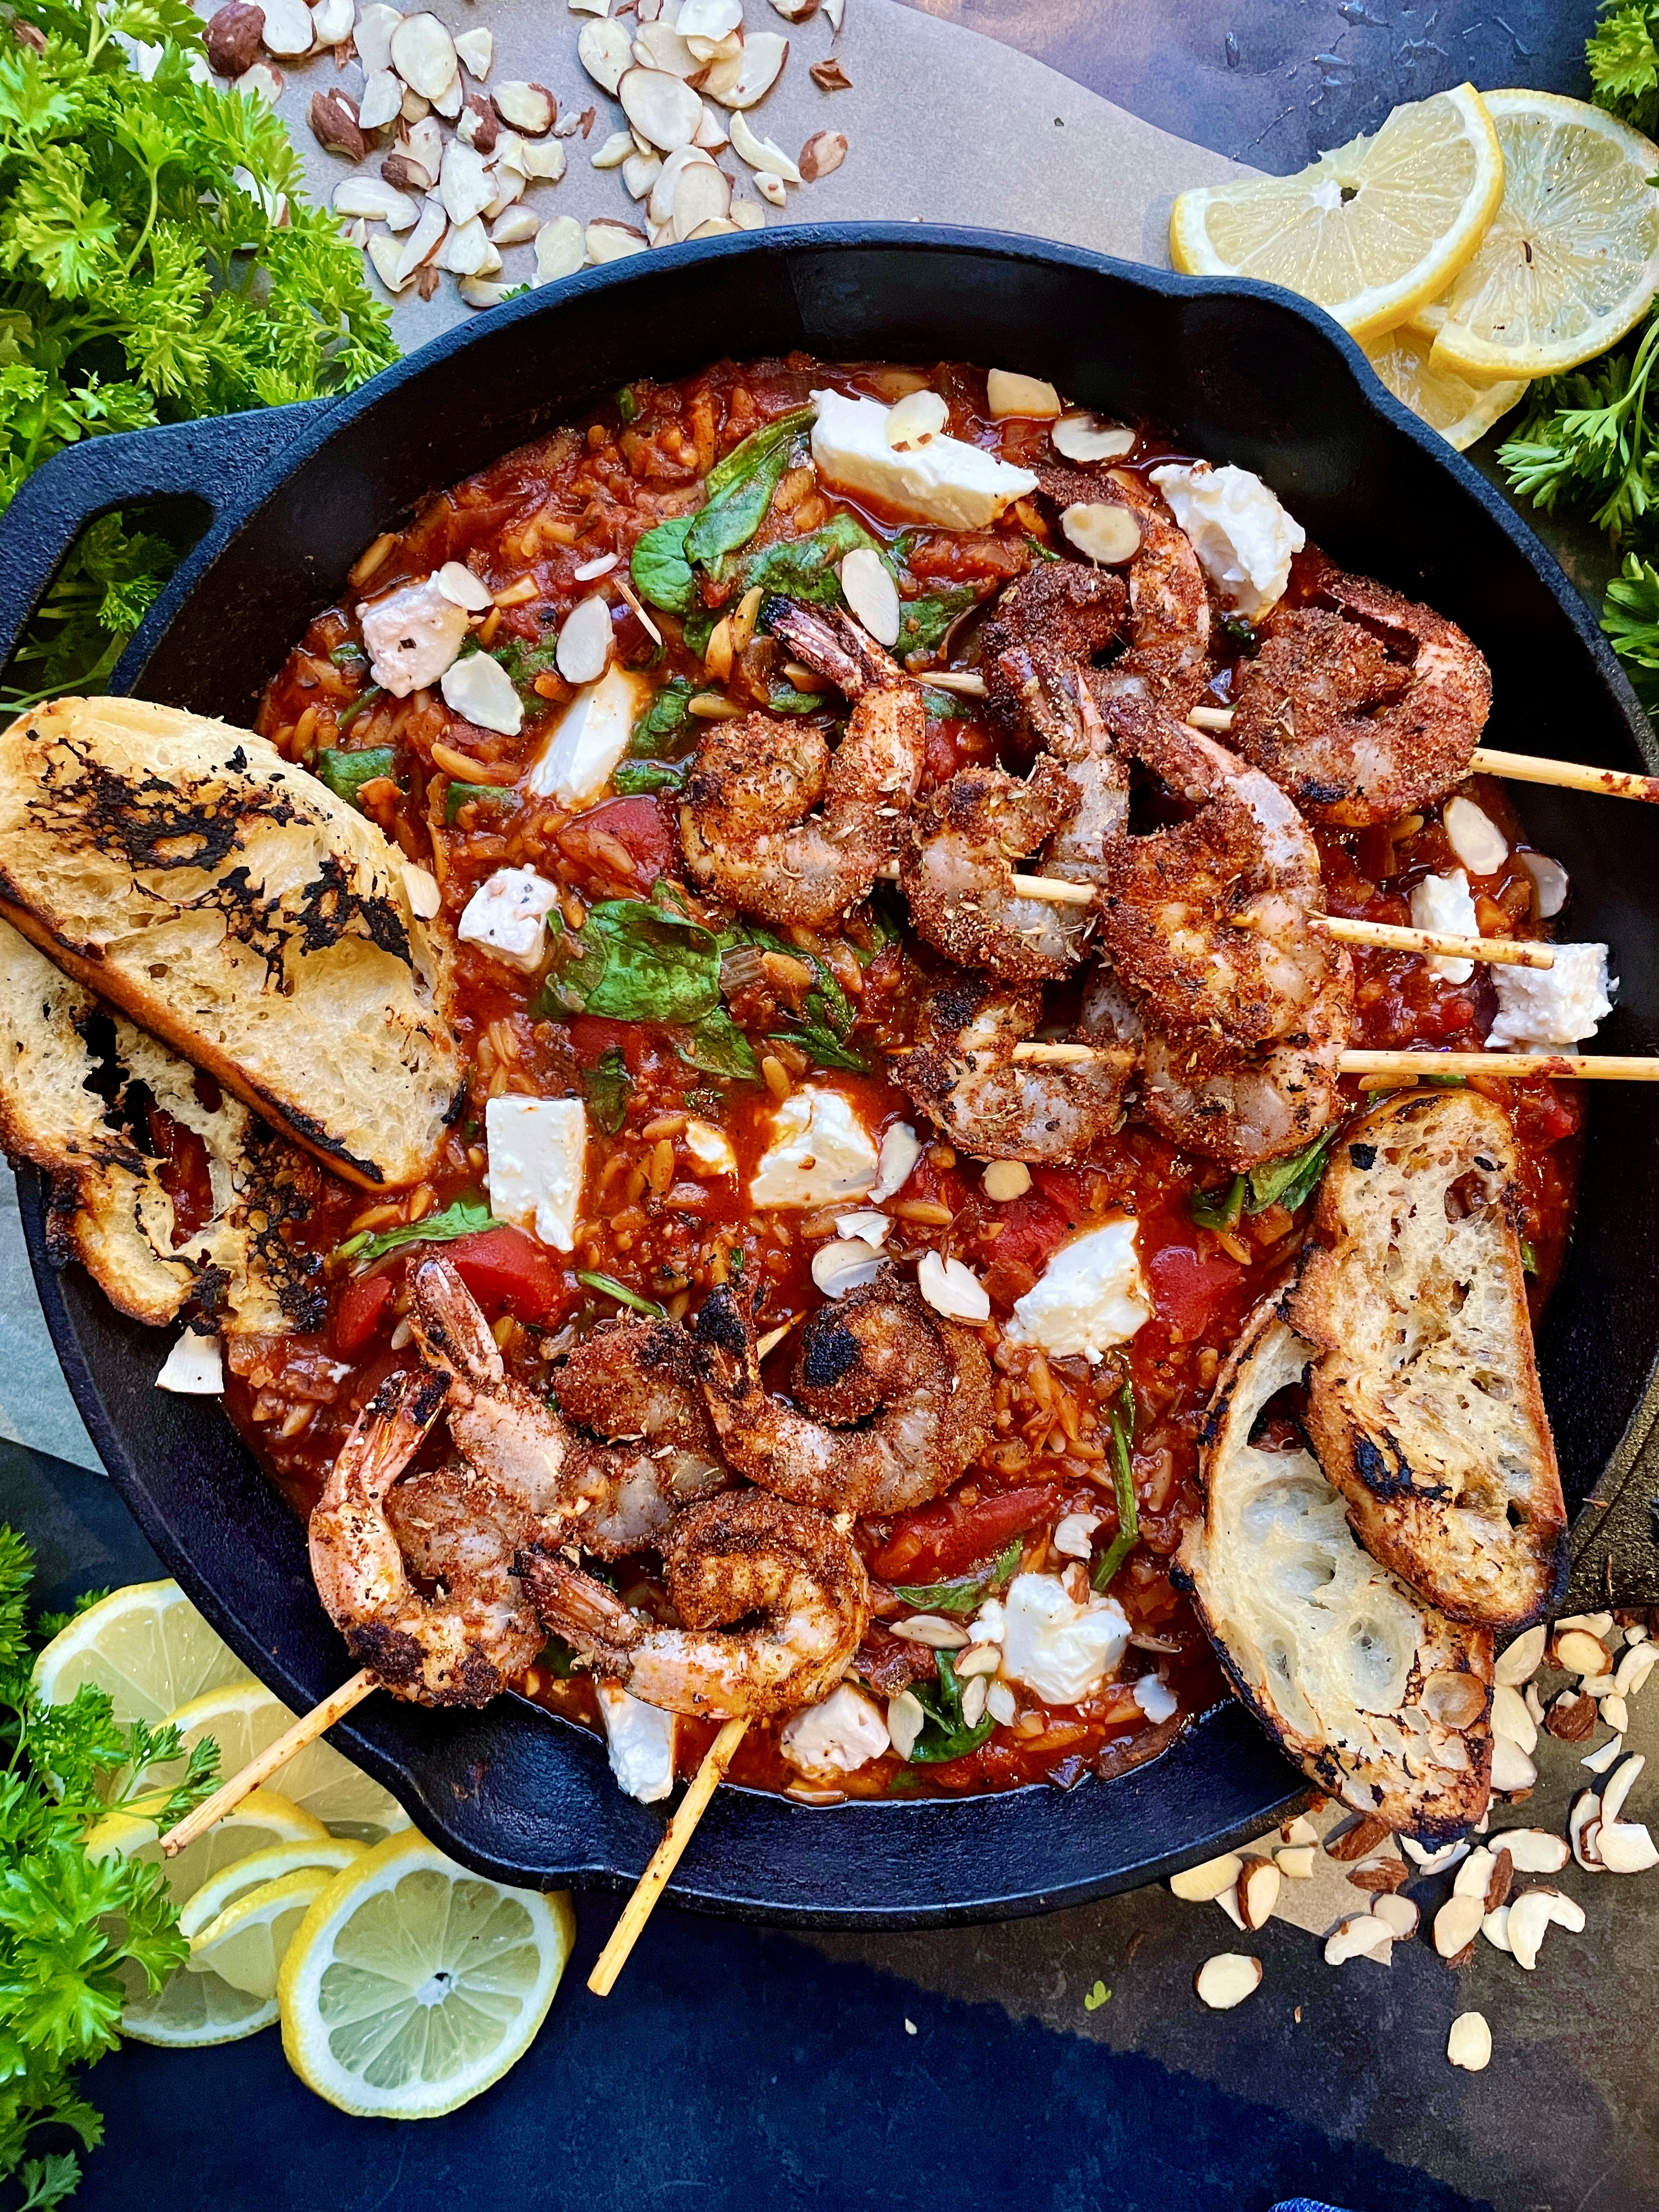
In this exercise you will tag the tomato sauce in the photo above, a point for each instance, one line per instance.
(452, 795)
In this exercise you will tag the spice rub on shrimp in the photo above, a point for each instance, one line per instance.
(748, 825)
(1167, 656)
(963, 1076)
(924, 1394)
(1362, 707)
(957, 870)
(1055, 620)
(462, 1646)
(725, 1559)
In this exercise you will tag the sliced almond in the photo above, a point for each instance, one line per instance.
(1572, 1718)
(661, 204)
(1457, 1923)
(760, 153)
(660, 106)
(612, 241)
(822, 155)
(1469, 2044)
(545, 161)
(1510, 1718)
(872, 593)
(1529, 1916)
(479, 126)
(639, 173)
(1301, 1830)
(1399, 1915)
(1502, 1875)
(465, 184)
(383, 254)
(1520, 1661)
(1607, 1756)
(828, 75)
(1511, 1769)
(660, 45)
(747, 216)
(702, 194)
(331, 22)
(1227, 1979)
(1296, 1862)
(1228, 1901)
(413, 108)
(510, 190)
(462, 588)
(423, 241)
(379, 201)
(1008, 393)
(1379, 1875)
(618, 147)
(835, 13)
(1626, 1846)
(1593, 1624)
(1362, 1936)
(525, 106)
(712, 134)
(517, 226)
(477, 687)
(561, 249)
(709, 19)
(468, 250)
(718, 226)
(1584, 1819)
(448, 102)
(1257, 1890)
(1633, 1670)
(1105, 534)
(372, 35)
(1580, 1653)
(1360, 1840)
(1474, 1875)
(287, 33)
(1084, 437)
(772, 189)
(264, 81)
(742, 83)
(1198, 1885)
(1618, 1784)
(1533, 1850)
(1534, 1703)
(423, 54)
(916, 420)
(605, 51)
(476, 49)
(1496, 1928)
(585, 639)
(1615, 1713)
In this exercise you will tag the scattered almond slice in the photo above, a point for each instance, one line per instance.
(1496, 1928)
(1582, 1820)
(545, 161)
(702, 194)
(1295, 1860)
(771, 188)
(822, 155)
(476, 49)
(952, 1290)
(1228, 1901)
(1475, 1875)
(872, 593)
(385, 253)
(287, 33)
(661, 106)
(756, 69)
(712, 134)
(477, 687)
(1198, 1885)
(379, 202)
(465, 184)
(1009, 394)
(1082, 437)
(525, 106)
(1469, 2044)
(639, 173)
(265, 82)
(1578, 1652)
(585, 639)
(1257, 1892)
(1105, 534)
(1624, 1846)
(372, 35)
(1618, 1784)
(1511, 1769)
(660, 45)
(561, 249)
(659, 205)
(760, 153)
(1520, 1661)
(423, 54)
(1227, 1979)
(1362, 1936)
(331, 22)
(1400, 1915)
(916, 420)
(618, 147)
(1432, 1860)
(709, 19)
(467, 250)
(515, 226)
(1458, 1923)
(1633, 1670)
(463, 589)
(448, 103)
(1533, 1850)
(1599, 1761)
(1510, 1718)
(613, 241)
(605, 51)
(1300, 1831)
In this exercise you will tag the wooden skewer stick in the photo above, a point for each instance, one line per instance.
(1605, 1068)
(229, 1794)
(666, 1856)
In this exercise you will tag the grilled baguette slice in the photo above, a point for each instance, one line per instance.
(1381, 1700)
(77, 1084)
(233, 907)
(1425, 1408)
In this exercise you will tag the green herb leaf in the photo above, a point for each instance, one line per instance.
(459, 1218)
(627, 406)
(664, 719)
(816, 1038)
(946, 706)
(634, 778)
(360, 705)
(1097, 1998)
(346, 773)
(1123, 1486)
(609, 1287)
(784, 699)
(1529, 1257)
(923, 623)
(697, 630)
(1624, 66)
(962, 1593)
(643, 962)
(806, 568)
(1288, 1183)
(945, 1735)
(556, 1657)
(498, 798)
(756, 451)
(719, 1047)
(609, 1087)
(660, 569)
(1220, 1208)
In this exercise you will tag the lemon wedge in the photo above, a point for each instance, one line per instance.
(1571, 259)
(413, 1985)
(1460, 411)
(243, 1718)
(146, 1645)
(1372, 230)
(327, 1853)
(245, 1944)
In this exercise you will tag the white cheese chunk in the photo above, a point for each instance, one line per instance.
(946, 481)
(1060, 1648)
(1090, 1295)
(507, 916)
(711, 1148)
(412, 635)
(900, 1148)
(1242, 537)
(820, 1154)
(1475, 838)
(580, 757)
(845, 1732)
(537, 1158)
(1540, 1008)
(1444, 902)
(640, 1741)
(1155, 1698)
(195, 1367)
(990, 1624)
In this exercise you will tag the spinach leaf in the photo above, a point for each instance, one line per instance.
(784, 699)
(346, 773)
(663, 719)
(946, 706)
(558, 1659)
(815, 1037)
(945, 1735)
(963, 1593)
(501, 797)
(740, 490)
(349, 656)
(459, 1219)
(697, 630)
(924, 621)
(1288, 1183)
(805, 568)
(524, 662)
(1123, 1483)
(641, 961)
(758, 448)
(827, 1018)
(660, 569)
(609, 1287)
(608, 1086)
(635, 776)
(719, 1047)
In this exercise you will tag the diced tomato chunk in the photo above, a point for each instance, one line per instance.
(937, 1541)
(636, 824)
(1032, 1226)
(592, 1036)
(507, 1271)
(1543, 1115)
(362, 1309)
(1186, 1289)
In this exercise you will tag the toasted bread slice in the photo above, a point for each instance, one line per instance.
(77, 1085)
(1381, 1700)
(237, 909)
(1425, 1409)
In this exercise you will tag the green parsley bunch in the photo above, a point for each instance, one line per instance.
(158, 261)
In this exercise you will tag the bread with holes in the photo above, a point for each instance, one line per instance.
(1382, 1701)
(1423, 1406)
(233, 907)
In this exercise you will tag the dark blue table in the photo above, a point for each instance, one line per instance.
(737, 2068)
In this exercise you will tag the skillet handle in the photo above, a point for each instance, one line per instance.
(210, 460)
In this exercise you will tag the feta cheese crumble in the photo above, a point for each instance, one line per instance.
(507, 916)
(1090, 1295)
(945, 481)
(1155, 1698)
(195, 1367)
(847, 1731)
(592, 735)
(639, 1738)
(1060, 1648)
(1542, 1008)
(820, 1154)
(1242, 537)
(411, 636)
(711, 1148)
(537, 1158)
(1444, 902)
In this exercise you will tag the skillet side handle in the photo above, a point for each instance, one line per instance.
(210, 460)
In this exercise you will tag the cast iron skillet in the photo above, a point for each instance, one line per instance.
(1241, 373)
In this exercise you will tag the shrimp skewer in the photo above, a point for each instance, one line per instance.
(965, 1075)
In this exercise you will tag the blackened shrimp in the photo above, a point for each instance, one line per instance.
(634, 1386)
(1167, 656)
(1362, 707)
(1058, 618)
(462, 1645)
(749, 826)
(1241, 1109)
(963, 1075)
(726, 1559)
(958, 864)
(934, 1415)
(1210, 924)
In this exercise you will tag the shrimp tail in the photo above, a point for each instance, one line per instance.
(580, 1609)
(832, 643)
(449, 1328)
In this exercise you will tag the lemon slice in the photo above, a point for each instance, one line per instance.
(242, 1718)
(146, 1645)
(190, 2010)
(1372, 229)
(1460, 410)
(248, 1941)
(1571, 259)
(413, 1985)
(328, 1854)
